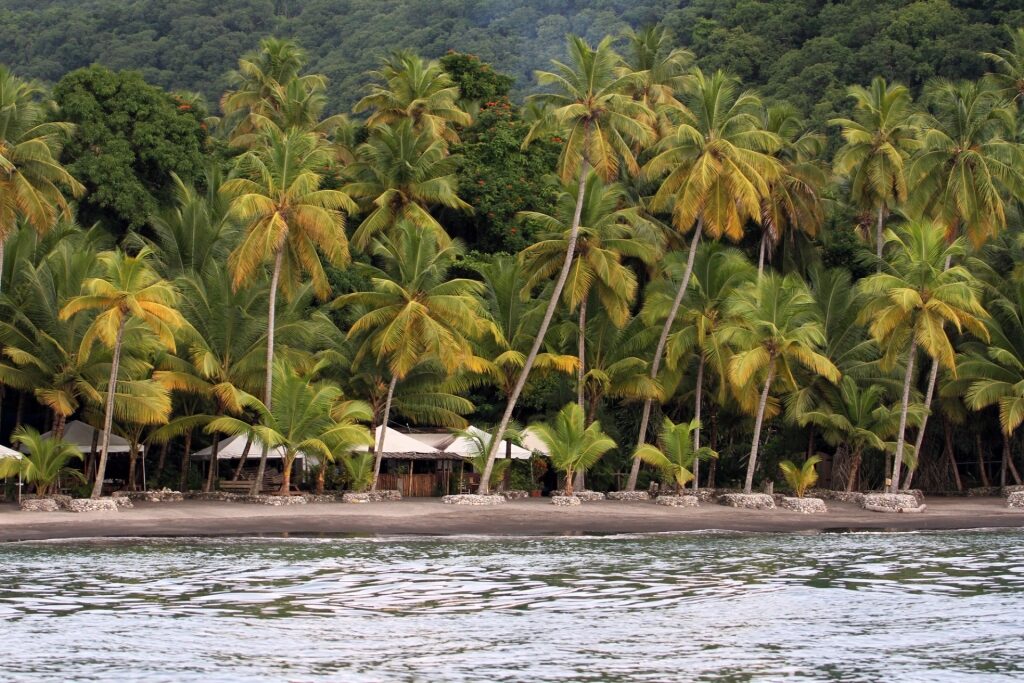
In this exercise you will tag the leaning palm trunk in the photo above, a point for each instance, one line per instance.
(851, 479)
(760, 255)
(894, 484)
(582, 354)
(645, 415)
(379, 452)
(756, 443)
(108, 417)
(549, 313)
(919, 440)
(696, 417)
(286, 479)
(211, 471)
(271, 315)
(241, 460)
(186, 463)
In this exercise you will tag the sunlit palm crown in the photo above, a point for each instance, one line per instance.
(402, 173)
(969, 162)
(31, 176)
(794, 201)
(416, 90)
(573, 445)
(591, 106)
(1008, 77)
(717, 166)
(279, 199)
(660, 70)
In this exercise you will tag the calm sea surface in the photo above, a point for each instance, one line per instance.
(850, 607)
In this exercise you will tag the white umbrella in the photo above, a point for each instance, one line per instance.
(6, 452)
(468, 447)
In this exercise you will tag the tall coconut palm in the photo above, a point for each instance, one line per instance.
(661, 71)
(909, 307)
(420, 91)
(129, 291)
(794, 202)
(677, 453)
(777, 330)
(572, 445)
(878, 141)
(1008, 77)
(289, 219)
(616, 363)
(45, 460)
(717, 170)
(414, 312)
(593, 111)
(32, 179)
(401, 174)
(608, 231)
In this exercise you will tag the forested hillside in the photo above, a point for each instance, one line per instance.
(802, 51)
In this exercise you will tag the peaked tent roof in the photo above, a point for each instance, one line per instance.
(6, 452)
(80, 435)
(234, 447)
(467, 447)
(399, 445)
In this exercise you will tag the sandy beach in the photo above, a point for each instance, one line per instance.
(525, 517)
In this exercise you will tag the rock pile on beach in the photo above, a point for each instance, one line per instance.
(749, 501)
(321, 497)
(39, 505)
(371, 496)
(805, 506)
(515, 494)
(892, 502)
(678, 501)
(584, 496)
(220, 496)
(164, 495)
(1015, 499)
(566, 501)
(472, 499)
(275, 500)
(96, 504)
(630, 496)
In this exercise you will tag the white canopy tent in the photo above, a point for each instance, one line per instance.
(6, 452)
(533, 443)
(399, 445)
(467, 447)
(80, 435)
(235, 446)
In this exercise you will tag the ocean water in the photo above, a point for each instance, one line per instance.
(711, 607)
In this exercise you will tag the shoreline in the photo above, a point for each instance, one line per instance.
(531, 517)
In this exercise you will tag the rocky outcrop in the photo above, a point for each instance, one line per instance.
(472, 499)
(748, 501)
(566, 501)
(805, 506)
(630, 496)
(1014, 500)
(892, 502)
(39, 505)
(94, 504)
(678, 501)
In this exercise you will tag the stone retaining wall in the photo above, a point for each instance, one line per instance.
(804, 505)
(94, 504)
(584, 496)
(630, 496)
(39, 505)
(515, 494)
(678, 501)
(158, 496)
(749, 501)
(566, 501)
(472, 499)
(1015, 499)
(892, 502)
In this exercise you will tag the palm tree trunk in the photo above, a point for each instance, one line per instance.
(186, 463)
(950, 455)
(19, 412)
(713, 443)
(2, 244)
(108, 417)
(379, 451)
(1013, 468)
(549, 313)
(851, 478)
(897, 460)
(756, 443)
(208, 485)
(878, 236)
(696, 416)
(582, 354)
(161, 460)
(1006, 457)
(286, 479)
(982, 470)
(241, 461)
(133, 459)
(760, 255)
(645, 415)
(268, 387)
(320, 476)
(919, 441)
(58, 425)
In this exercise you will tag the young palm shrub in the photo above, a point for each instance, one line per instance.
(348, 435)
(44, 462)
(800, 477)
(358, 470)
(677, 457)
(572, 445)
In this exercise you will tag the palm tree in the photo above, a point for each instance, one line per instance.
(416, 90)
(45, 460)
(130, 291)
(801, 477)
(616, 363)
(661, 73)
(573, 446)
(909, 306)
(879, 139)
(413, 312)
(346, 437)
(608, 231)
(679, 453)
(592, 109)
(1008, 77)
(31, 175)
(402, 173)
(718, 169)
(794, 201)
(777, 330)
(290, 219)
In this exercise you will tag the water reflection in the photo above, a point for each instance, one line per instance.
(861, 607)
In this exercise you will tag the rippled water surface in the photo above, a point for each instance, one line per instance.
(851, 607)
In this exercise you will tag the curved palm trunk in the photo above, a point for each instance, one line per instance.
(320, 476)
(950, 455)
(133, 461)
(271, 315)
(59, 424)
(696, 416)
(919, 440)
(760, 255)
(549, 313)
(379, 451)
(582, 355)
(645, 415)
(851, 477)
(211, 471)
(241, 461)
(108, 416)
(186, 463)
(286, 479)
(756, 443)
(898, 457)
